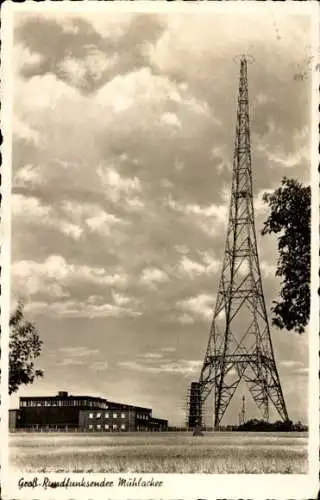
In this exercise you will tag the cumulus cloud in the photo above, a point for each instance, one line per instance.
(31, 277)
(208, 265)
(36, 213)
(120, 299)
(116, 185)
(29, 206)
(289, 160)
(151, 276)
(210, 218)
(260, 206)
(86, 57)
(171, 119)
(25, 132)
(268, 270)
(200, 306)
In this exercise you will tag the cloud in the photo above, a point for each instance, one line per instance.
(262, 99)
(290, 363)
(36, 213)
(120, 299)
(192, 268)
(167, 349)
(31, 277)
(259, 204)
(209, 218)
(81, 309)
(151, 276)
(86, 56)
(303, 371)
(268, 270)
(152, 355)
(180, 367)
(186, 319)
(171, 119)
(70, 362)
(29, 206)
(200, 305)
(284, 154)
(100, 366)
(78, 351)
(280, 157)
(116, 185)
(24, 132)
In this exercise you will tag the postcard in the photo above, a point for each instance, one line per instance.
(159, 255)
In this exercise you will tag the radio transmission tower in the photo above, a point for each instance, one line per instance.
(240, 346)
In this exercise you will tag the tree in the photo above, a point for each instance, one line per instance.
(290, 219)
(24, 348)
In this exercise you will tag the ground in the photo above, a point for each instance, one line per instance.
(223, 452)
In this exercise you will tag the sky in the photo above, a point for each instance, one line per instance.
(123, 132)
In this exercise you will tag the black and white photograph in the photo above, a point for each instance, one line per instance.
(159, 312)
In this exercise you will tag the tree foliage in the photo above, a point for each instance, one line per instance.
(290, 220)
(24, 349)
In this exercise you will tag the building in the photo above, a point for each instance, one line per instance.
(158, 424)
(83, 413)
(116, 417)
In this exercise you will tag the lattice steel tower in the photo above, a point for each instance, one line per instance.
(239, 346)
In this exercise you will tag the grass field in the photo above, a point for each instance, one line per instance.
(160, 452)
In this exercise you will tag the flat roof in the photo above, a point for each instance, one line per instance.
(92, 398)
(63, 396)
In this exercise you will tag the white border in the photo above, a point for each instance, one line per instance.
(186, 486)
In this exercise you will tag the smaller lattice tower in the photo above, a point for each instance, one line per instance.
(242, 414)
(194, 409)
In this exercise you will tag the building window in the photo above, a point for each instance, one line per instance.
(123, 415)
(90, 415)
(98, 415)
(90, 426)
(115, 415)
(99, 427)
(106, 415)
(106, 426)
(115, 426)
(123, 427)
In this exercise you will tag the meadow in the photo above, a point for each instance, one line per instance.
(216, 453)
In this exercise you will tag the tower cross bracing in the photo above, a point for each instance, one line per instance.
(239, 346)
